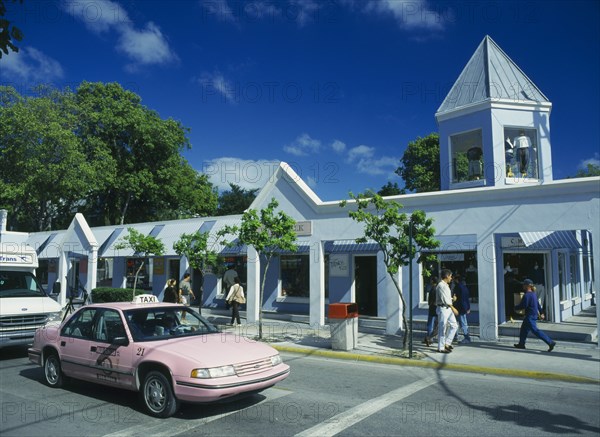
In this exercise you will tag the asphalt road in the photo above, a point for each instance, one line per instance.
(321, 397)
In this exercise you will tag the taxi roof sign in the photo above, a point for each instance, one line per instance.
(145, 298)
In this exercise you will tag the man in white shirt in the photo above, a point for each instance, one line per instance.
(446, 319)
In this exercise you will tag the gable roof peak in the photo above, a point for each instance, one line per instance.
(490, 75)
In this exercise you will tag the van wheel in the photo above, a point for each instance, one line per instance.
(158, 396)
(53, 371)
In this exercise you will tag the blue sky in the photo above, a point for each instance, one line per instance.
(335, 88)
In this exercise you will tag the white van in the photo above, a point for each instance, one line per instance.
(24, 306)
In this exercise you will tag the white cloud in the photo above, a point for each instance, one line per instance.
(304, 145)
(216, 83)
(146, 46)
(338, 146)
(360, 152)
(593, 161)
(99, 16)
(409, 14)
(312, 182)
(31, 66)
(248, 174)
(384, 165)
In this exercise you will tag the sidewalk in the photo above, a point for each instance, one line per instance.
(570, 361)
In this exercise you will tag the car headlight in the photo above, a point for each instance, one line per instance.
(276, 360)
(54, 317)
(213, 372)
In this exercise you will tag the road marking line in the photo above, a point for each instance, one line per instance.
(344, 420)
(173, 426)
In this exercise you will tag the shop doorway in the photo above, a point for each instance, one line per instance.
(174, 269)
(519, 266)
(365, 284)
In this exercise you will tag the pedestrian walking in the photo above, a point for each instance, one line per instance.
(171, 292)
(532, 308)
(186, 290)
(235, 298)
(432, 313)
(446, 318)
(460, 296)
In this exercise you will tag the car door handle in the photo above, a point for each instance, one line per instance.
(93, 348)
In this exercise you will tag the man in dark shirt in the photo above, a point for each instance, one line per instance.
(530, 304)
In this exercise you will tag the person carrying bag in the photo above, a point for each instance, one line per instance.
(235, 298)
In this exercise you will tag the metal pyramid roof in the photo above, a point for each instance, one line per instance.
(490, 75)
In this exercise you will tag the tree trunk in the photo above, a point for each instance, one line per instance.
(404, 322)
(135, 279)
(262, 291)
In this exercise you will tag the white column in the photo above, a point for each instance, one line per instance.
(386, 291)
(317, 284)
(63, 269)
(488, 288)
(92, 272)
(184, 266)
(253, 291)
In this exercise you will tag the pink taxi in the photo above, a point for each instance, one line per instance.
(167, 352)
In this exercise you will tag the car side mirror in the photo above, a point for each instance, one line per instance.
(120, 341)
(56, 288)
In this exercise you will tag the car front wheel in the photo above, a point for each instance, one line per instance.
(53, 371)
(158, 396)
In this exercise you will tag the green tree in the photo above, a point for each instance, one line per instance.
(45, 171)
(97, 151)
(390, 229)
(8, 31)
(195, 247)
(390, 189)
(270, 234)
(236, 200)
(143, 246)
(420, 164)
(590, 170)
(148, 173)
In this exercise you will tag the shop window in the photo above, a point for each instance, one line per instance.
(295, 275)
(240, 265)
(521, 152)
(562, 277)
(467, 156)
(573, 276)
(463, 263)
(144, 280)
(105, 272)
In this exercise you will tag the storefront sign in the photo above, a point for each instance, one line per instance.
(451, 257)
(339, 265)
(159, 266)
(303, 229)
(512, 242)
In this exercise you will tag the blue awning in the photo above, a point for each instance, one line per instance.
(550, 240)
(350, 246)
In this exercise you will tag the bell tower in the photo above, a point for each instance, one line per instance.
(494, 125)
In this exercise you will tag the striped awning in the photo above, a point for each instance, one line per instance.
(550, 240)
(350, 246)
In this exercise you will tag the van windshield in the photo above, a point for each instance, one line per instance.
(19, 284)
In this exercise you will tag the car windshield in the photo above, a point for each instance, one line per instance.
(160, 323)
(19, 284)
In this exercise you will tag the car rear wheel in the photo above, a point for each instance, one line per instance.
(53, 371)
(158, 396)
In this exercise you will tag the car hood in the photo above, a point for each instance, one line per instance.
(24, 306)
(213, 350)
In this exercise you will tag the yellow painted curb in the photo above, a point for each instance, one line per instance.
(434, 365)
